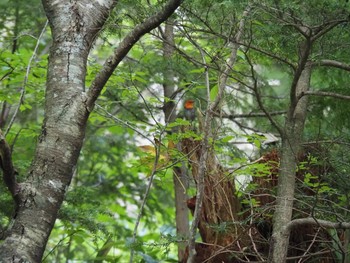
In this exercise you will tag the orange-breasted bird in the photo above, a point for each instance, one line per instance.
(189, 110)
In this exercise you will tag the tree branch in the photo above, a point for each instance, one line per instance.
(232, 59)
(259, 100)
(324, 28)
(325, 94)
(316, 222)
(332, 63)
(205, 147)
(124, 47)
(305, 52)
(9, 173)
(25, 81)
(248, 115)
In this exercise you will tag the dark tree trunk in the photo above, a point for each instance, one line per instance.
(218, 222)
(179, 173)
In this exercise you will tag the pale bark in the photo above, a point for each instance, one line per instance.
(62, 132)
(74, 26)
(291, 143)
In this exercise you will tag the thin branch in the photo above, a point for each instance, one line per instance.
(259, 100)
(250, 231)
(326, 28)
(23, 89)
(232, 59)
(148, 189)
(309, 247)
(318, 253)
(207, 124)
(315, 222)
(305, 52)
(126, 124)
(271, 55)
(9, 72)
(124, 47)
(248, 115)
(325, 94)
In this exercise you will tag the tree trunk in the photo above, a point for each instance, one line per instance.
(74, 26)
(179, 173)
(218, 217)
(291, 143)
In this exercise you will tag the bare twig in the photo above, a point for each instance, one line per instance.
(9, 72)
(310, 246)
(231, 61)
(201, 170)
(259, 100)
(23, 89)
(326, 27)
(304, 56)
(250, 231)
(126, 124)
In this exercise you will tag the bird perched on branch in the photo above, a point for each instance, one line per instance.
(189, 110)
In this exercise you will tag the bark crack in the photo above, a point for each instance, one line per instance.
(68, 64)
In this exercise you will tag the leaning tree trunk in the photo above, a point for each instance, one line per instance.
(74, 26)
(291, 143)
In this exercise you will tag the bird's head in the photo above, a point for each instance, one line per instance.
(189, 104)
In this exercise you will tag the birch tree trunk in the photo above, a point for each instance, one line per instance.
(74, 26)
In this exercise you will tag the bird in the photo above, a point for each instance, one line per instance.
(189, 110)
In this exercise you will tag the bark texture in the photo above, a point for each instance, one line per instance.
(74, 26)
(220, 209)
(291, 143)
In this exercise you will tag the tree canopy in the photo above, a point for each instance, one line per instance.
(102, 162)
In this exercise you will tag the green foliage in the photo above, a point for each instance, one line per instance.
(102, 204)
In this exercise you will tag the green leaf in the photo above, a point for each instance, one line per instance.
(227, 138)
(214, 92)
